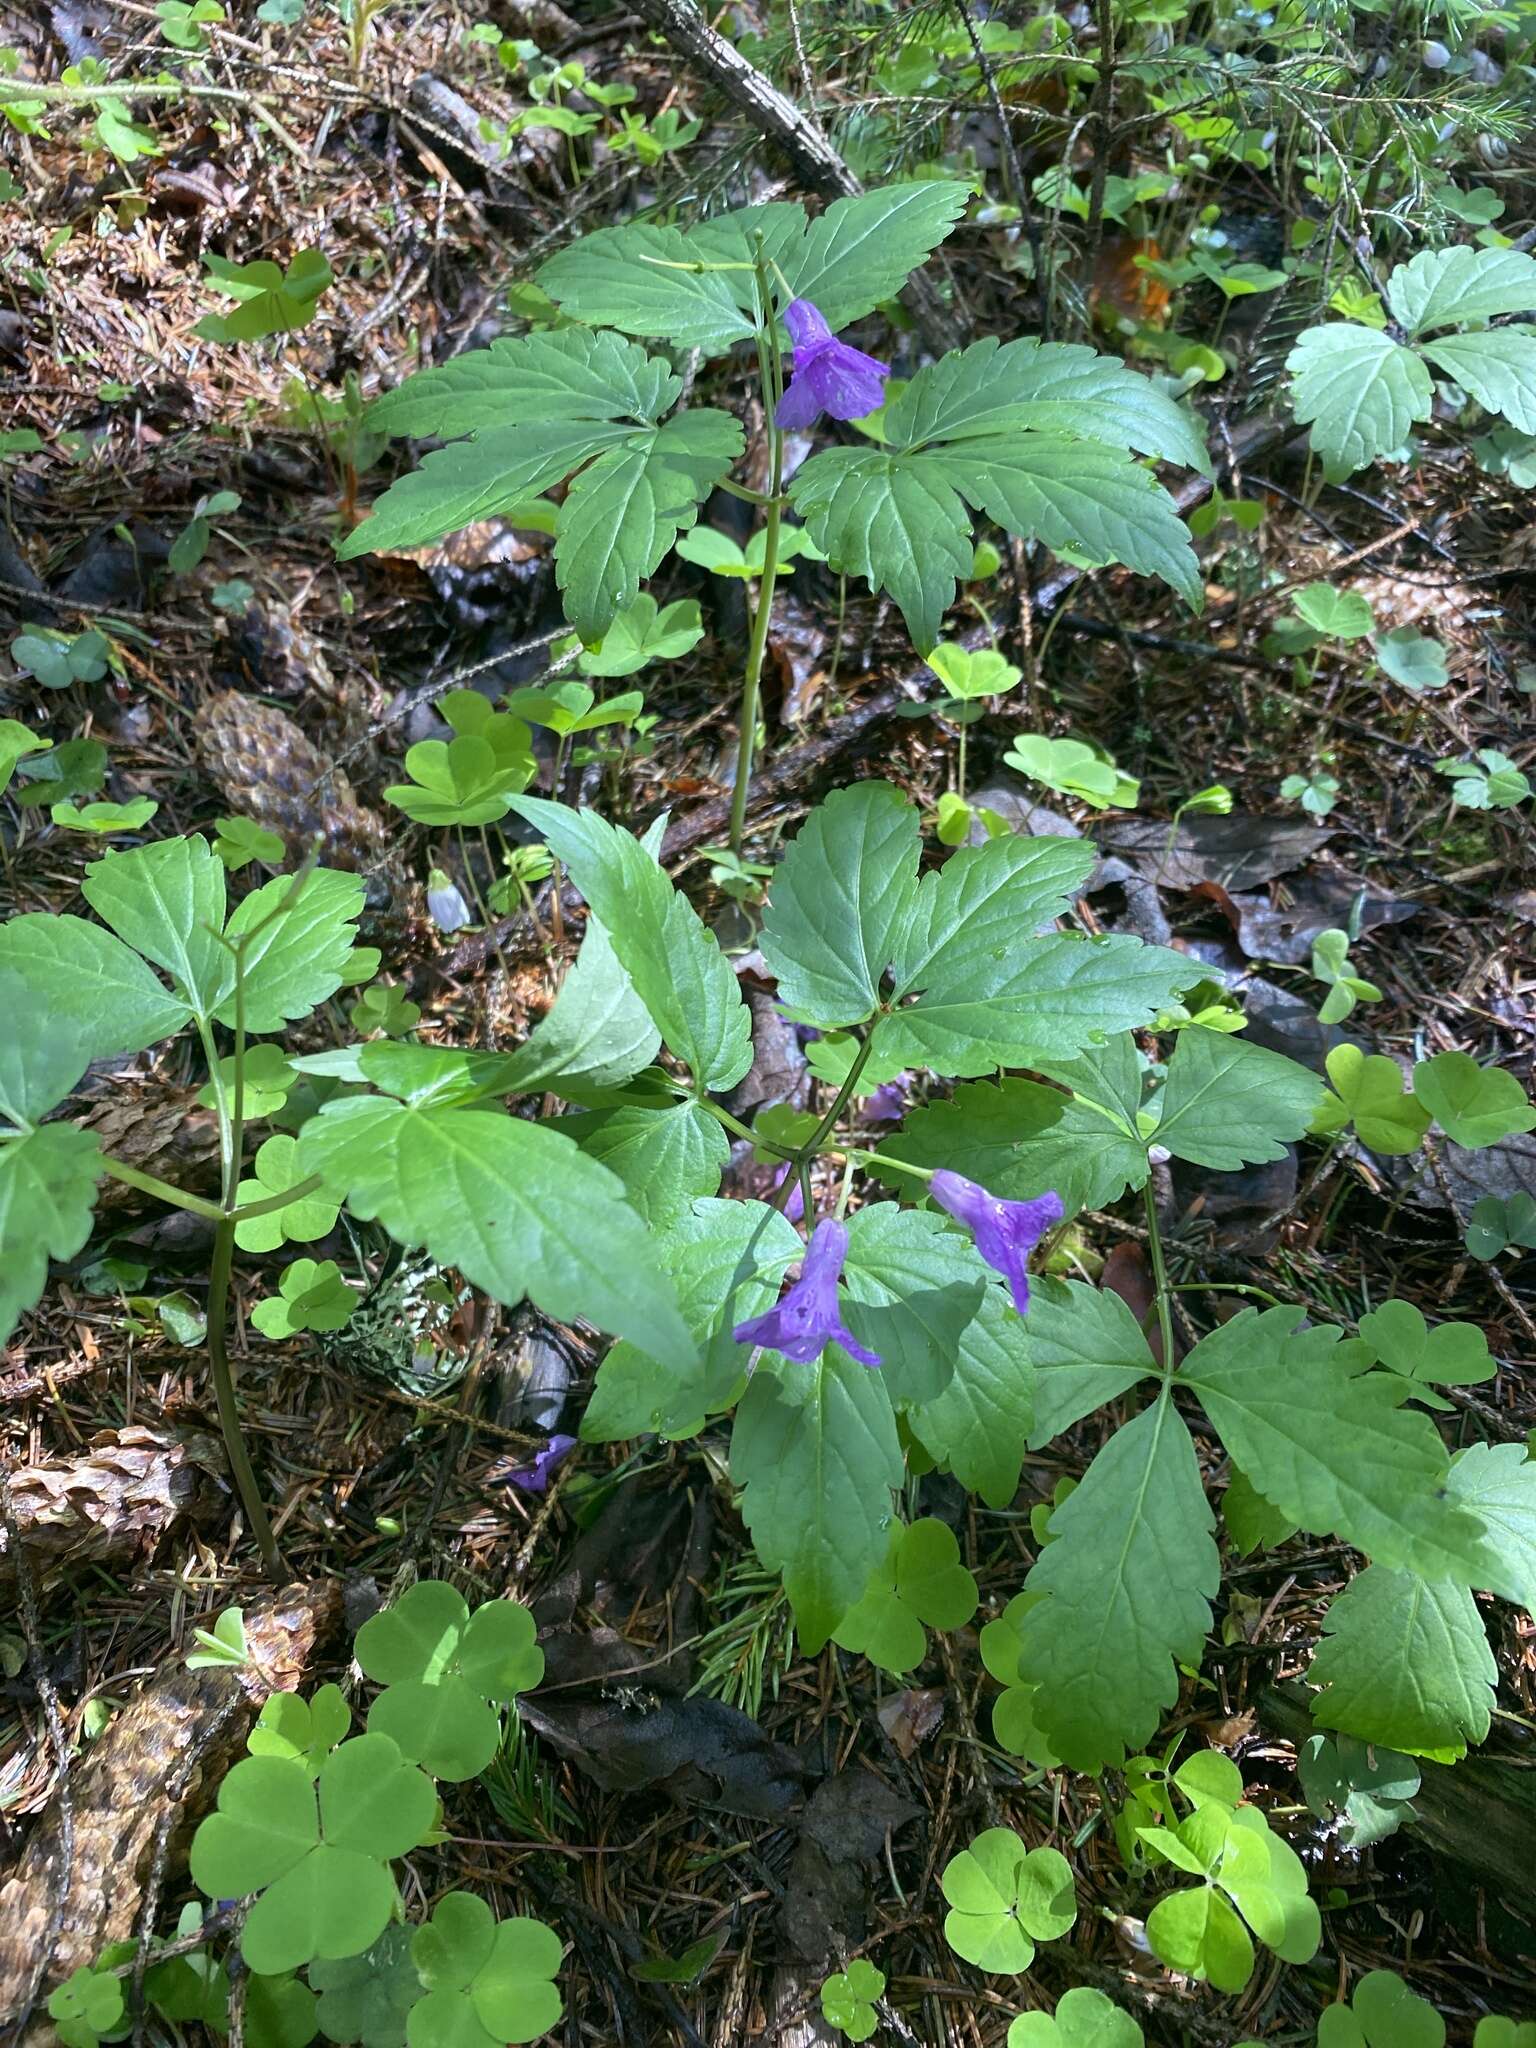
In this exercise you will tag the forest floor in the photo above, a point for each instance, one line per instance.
(624, 1811)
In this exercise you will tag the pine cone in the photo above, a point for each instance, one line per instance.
(266, 769)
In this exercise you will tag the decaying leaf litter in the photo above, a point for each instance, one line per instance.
(795, 1813)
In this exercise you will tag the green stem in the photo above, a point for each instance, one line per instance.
(1160, 1280)
(738, 1129)
(147, 1184)
(224, 1393)
(770, 375)
(807, 1152)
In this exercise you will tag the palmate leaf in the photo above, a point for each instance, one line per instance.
(1405, 1662)
(1335, 1452)
(815, 1449)
(677, 969)
(983, 900)
(514, 1205)
(1086, 1349)
(979, 1421)
(570, 374)
(912, 1287)
(853, 256)
(1229, 1104)
(597, 1035)
(1498, 1482)
(725, 1261)
(166, 900)
(842, 899)
(1129, 1578)
(624, 511)
(1360, 391)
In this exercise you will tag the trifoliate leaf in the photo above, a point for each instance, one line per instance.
(1360, 391)
(462, 781)
(1369, 1789)
(1475, 1106)
(1405, 1661)
(272, 300)
(1130, 1576)
(1336, 1452)
(1228, 1104)
(307, 1730)
(311, 1216)
(1383, 2013)
(311, 1296)
(366, 1998)
(1004, 1898)
(677, 969)
(1497, 1222)
(240, 841)
(488, 1983)
(639, 635)
(1439, 287)
(1452, 1354)
(1075, 769)
(514, 1205)
(967, 674)
(1413, 659)
(815, 1449)
(443, 1667)
(847, 2000)
(1199, 1934)
(103, 819)
(88, 2007)
(1087, 1350)
(1372, 1095)
(1336, 614)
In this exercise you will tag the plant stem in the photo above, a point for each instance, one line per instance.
(1160, 1280)
(162, 1190)
(807, 1152)
(770, 376)
(224, 1393)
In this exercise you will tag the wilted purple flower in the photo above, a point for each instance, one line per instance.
(794, 1208)
(1005, 1232)
(806, 1321)
(829, 376)
(445, 905)
(887, 1104)
(535, 1478)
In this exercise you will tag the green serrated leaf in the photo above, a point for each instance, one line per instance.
(897, 521)
(1019, 1139)
(47, 1194)
(1228, 1104)
(167, 902)
(979, 1422)
(1360, 391)
(1498, 1483)
(597, 1035)
(1441, 286)
(514, 1205)
(1087, 1351)
(913, 1285)
(1498, 368)
(1405, 1662)
(666, 1158)
(568, 373)
(1129, 1578)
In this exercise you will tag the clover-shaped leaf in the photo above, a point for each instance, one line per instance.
(1497, 1222)
(508, 735)
(280, 2012)
(1475, 1106)
(1336, 614)
(639, 635)
(1496, 2032)
(1370, 1788)
(1493, 782)
(101, 819)
(462, 781)
(312, 1296)
(317, 1851)
(708, 548)
(384, 1007)
(1371, 1095)
(269, 1080)
(1004, 1898)
(922, 1580)
(1413, 659)
(967, 673)
(304, 1730)
(442, 1668)
(57, 659)
(488, 1982)
(271, 300)
(848, 1999)
(1383, 2013)
(366, 1998)
(1247, 1871)
(1083, 2019)
(1454, 1354)
(240, 841)
(89, 2007)
(299, 1222)
(17, 741)
(1075, 769)
(1014, 1726)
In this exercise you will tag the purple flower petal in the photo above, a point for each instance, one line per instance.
(799, 407)
(535, 1477)
(1005, 1232)
(794, 1208)
(806, 323)
(829, 375)
(887, 1104)
(807, 1320)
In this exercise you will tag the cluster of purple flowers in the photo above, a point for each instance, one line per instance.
(808, 1318)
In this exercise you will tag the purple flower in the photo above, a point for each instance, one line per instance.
(794, 1208)
(535, 1478)
(1005, 1232)
(806, 1321)
(887, 1104)
(829, 376)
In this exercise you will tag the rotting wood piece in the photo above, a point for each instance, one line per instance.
(115, 1500)
(149, 1777)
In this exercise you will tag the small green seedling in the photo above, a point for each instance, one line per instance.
(708, 548)
(102, 820)
(89, 2007)
(270, 299)
(384, 1007)
(182, 22)
(1474, 1106)
(239, 841)
(1073, 768)
(299, 1222)
(848, 2000)
(462, 781)
(191, 544)
(968, 673)
(922, 1580)
(1366, 1790)
(1317, 791)
(1369, 1092)
(1014, 1726)
(57, 659)
(369, 1998)
(1334, 614)
(1004, 1898)
(1246, 1870)
(1331, 964)
(1452, 1354)
(1497, 1222)
(222, 1646)
(1413, 659)
(446, 1672)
